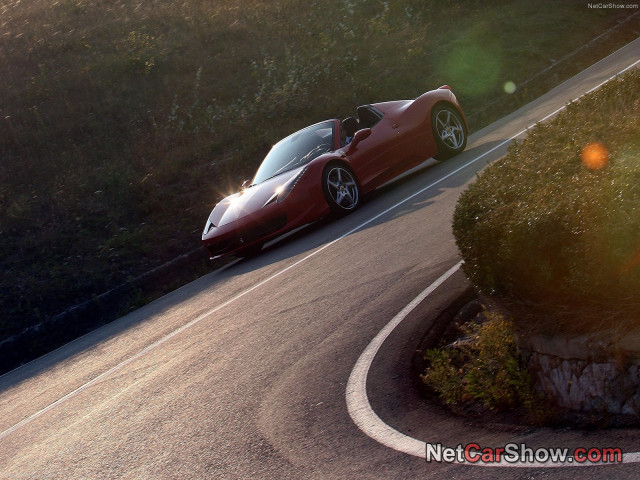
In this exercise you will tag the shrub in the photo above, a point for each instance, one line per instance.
(485, 366)
(542, 227)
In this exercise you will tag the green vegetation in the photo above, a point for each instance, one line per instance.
(553, 226)
(484, 366)
(122, 122)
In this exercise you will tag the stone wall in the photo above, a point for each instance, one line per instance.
(588, 373)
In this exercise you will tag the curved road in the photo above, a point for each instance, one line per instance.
(242, 374)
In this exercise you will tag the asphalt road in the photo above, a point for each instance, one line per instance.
(242, 374)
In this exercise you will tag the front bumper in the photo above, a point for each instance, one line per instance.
(242, 233)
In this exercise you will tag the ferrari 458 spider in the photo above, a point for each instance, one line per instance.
(327, 167)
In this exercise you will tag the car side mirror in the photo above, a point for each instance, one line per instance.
(359, 136)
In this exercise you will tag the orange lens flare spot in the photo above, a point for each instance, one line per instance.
(595, 156)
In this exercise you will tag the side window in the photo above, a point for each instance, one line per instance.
(369, 116)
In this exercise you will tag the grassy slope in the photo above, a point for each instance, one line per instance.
(121, 122)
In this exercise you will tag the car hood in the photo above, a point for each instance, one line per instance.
(249, 201)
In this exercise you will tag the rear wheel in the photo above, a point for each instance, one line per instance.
(340, 189)
(448, 130)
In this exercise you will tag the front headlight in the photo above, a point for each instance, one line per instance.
(283, 191)
(208, 227)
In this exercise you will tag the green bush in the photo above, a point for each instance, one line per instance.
(485, 366)
(540, 227)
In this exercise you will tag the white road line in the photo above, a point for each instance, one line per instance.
(357, 401)
(358, 404)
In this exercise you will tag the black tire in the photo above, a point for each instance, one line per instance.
(449, 131)
(340, 188)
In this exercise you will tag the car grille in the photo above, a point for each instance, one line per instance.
(247, 236)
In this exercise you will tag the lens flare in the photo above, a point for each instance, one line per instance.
(509, 87)
(595, 156)
(473, 63)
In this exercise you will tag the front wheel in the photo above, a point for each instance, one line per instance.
(449, 131)
(340, 189)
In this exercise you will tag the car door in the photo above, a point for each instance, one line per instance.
(372, 160)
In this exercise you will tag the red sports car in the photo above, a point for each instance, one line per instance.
(327, 167)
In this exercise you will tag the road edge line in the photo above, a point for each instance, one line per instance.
(358, 404)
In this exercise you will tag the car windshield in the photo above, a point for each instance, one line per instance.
(296, 150)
